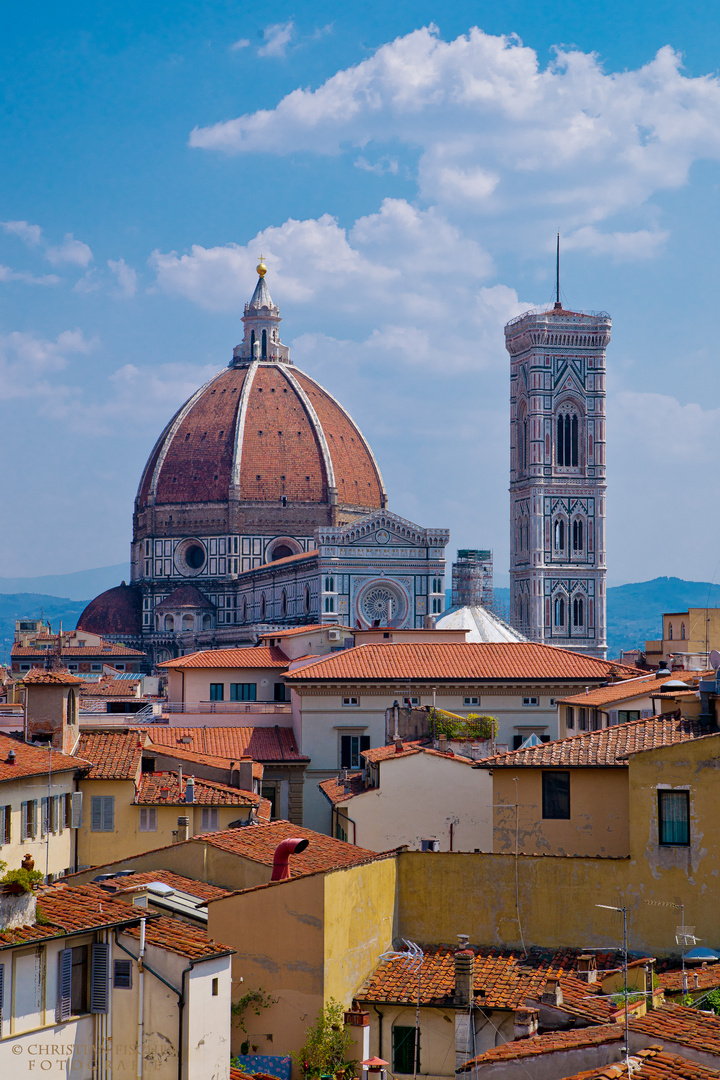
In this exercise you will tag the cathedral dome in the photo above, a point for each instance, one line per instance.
(116, 612)
(262, 439)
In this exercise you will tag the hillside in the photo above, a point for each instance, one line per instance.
(55, 609)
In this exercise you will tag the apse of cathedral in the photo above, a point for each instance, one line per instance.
(557, 476)
(262, 506)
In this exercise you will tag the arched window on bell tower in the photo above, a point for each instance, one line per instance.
(264, 345)
(252, 343)
(567, 438)
(578, 539)
(578, 611)
(522, 441)
(559, 611)
(559, 534)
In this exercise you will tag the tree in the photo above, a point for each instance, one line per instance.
(327, 1043)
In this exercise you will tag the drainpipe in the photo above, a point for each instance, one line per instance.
(380, 1033)
(141, 1002)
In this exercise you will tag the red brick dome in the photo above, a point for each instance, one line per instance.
(262, 433)
(116, 612)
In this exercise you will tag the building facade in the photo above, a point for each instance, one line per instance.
(557, 477)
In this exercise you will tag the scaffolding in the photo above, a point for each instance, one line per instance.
(472, 579)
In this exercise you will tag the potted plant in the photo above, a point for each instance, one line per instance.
(327, 1045)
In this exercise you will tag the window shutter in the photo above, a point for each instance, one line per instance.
(108, 824)
(76, 805)
(364, 743)
(23, 821)
(99, 978)
(64, 1000)
(122, 975)
(646, 713)
(96, 802)
(345, 752)
(44, 818)
(33, 817)
(2, 998)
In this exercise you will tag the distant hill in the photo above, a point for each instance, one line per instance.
(55, 609)
(82, 585)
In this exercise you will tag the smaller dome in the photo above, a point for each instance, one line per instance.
(187, 597)
(115, 611)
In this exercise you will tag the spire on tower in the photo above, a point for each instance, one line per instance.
(261, 340)
(557, 274)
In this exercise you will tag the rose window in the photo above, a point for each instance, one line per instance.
(381, 603)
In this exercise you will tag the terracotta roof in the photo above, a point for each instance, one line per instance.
(151, 791)
(115, 611)
(200, 889)
(625, 690)
(548, 1043)
(282, 562)
(683, 1025)
(181, 753)
(258, 843)
(606, 747)
(113, 688)
(282, 452)
(115, 755)
(266, 744)
(291, 631)
(388, 753)
(707, 978)
(651, 1064)
(261, 657)
(55, 677)
(335, 789)
(180, 937)
(31, 760)
(71, 909)
(463, 661)
(80, 652)
(185, 596)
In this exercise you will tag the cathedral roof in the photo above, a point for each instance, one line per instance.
(261, 297)
(115, 611)
(185, 596)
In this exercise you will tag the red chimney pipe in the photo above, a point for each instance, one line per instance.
(281, 860)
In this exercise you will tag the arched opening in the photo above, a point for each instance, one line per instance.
(263, 607)
(187, 622)
(559, 534)
(578, 611)
(283, 604)
(306, 600)
(207, 622)
(281, 551)
(577, 530)
(559, 611)
(169, 622)
(682, 631)
(252, 342)
(71, 708)
(670, 632)
(567, 439)
(264, 344)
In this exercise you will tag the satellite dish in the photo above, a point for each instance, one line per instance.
(714, 659)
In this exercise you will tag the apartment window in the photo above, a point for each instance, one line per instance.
(240, 691)
(44, 817)
(217, 690)
(530, 702)
(102, 813)
(280, 694)
(215, 987)
(569, 717)
(582, 719)
(674, 818)
(351, 746)
(28, 812)
(556, 795)
(5, 820)
(96, 667)
(122, 975)
(148, 819)
(471, 701)
(625, 715)
(412, 702)
(403, 1047)
(350, 702)
(209, 819)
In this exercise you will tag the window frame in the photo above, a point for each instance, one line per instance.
(206, 813)
(351, 702)
(663, 822)
(349, 756)
(148, 814)
(104, 805)
(216, 691)
(556, 813)
(468, 701)
(411, 1056)
(531, 703)
(247, 691)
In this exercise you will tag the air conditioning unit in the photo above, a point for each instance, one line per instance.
(333, 635)
(430, 845)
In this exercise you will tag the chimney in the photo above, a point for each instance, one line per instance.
(180, 787)
(281, 860)
(552, 994)
(696, 980)
(464, 972)
(10, 759)
(245, 774)
(587, 968)
(398, 746)
(442, 744)
(190, 790)
(475, 751)
(526, 1023)
(183, 829)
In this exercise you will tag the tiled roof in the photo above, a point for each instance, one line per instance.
(185, 596)
(115, 611)
(71, 909)
(548, 1043)
(503, 980)
(651, 1064)
(39, 676)
(266, 744)
(462, 661)
(33, 760)
(282, 562)
(291, 631)
(180, 937)
(680, 1024)
(387, 753)
(258, 843)
(707, 978)
(115, 755)
(114, 688)
(80, 652)
(335, 788)
(162, 788)
(606, 747)
(261, 657)
(200, 889)
(626, 689)
(181, 753)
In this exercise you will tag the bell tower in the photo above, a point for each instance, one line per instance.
(557, 476)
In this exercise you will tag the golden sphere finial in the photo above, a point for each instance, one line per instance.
(261, 267)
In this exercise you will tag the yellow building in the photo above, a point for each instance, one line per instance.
(688, 637)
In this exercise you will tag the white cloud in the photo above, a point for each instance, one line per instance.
(277, 38)
(126, 276)
(29, 234)
(622, 246)
(27, 361)
(6, 274)
(241, 43)
(383, 165)
(494, 131)
(70, 251)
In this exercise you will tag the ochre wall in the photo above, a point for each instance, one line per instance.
(598, 823)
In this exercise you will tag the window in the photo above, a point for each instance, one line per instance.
(437, 605)
(241, 691)
(578, 611)
(329, 584)
(102, 813)
(209, 819)
(411, 702)
(569, 717)
(556, 795)
(682, 631)
(403, 1047)
(531, 702)
(582, 719)
(148, 819)
(280, 692)
(217, 690)
(437, 584)
(577, 534)
(559, 611)
(567, 440)
(559, 534)
(471, 701)
(122, 975)
(625, 715)
(28, 812)
(215, 987)
(350, 702)
(670, 632)
(330, 604)
(79, 980)
(73, 809)
(674, 818)
(351, 746)
(263, 607)
(5, 820)
(96, 667)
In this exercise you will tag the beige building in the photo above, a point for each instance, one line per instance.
(631, 699)
(244, 686)
(688, 637)
(413, 795)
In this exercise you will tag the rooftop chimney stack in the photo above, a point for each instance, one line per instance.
(190, 790)
(526, 1023)
(552, 994)
(183, 829)
(464, 972)
(442, 744)
(587, 968)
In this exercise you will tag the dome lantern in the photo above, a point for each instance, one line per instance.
(261, 340)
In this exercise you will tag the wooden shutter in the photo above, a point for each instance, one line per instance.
(99, 978)
(108, 813)
(2, 998)
(96, 813)
(33, 808)
(44, 817)
(345, 751)
(122, 979)
(76, 805)
(64, 998)
(364, 743)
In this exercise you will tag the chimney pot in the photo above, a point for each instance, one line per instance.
(398, 746)
(442, 744)
(464, 972)
(552, 994)
(526, 1023)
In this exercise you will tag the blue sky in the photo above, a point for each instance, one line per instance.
(404, 169)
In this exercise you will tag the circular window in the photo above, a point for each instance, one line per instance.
(190, 557)
(382, 603)
(282, 551)
(195, 557)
